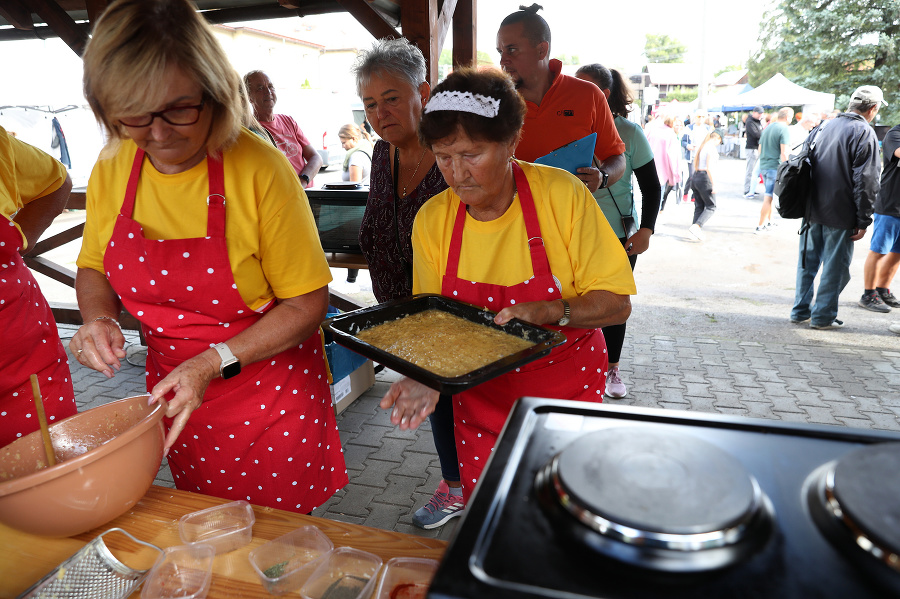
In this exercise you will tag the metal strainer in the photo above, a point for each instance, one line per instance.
(92, 573)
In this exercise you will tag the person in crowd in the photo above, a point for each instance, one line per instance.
(666, 156)
(357, 164)
(561, 109)
(798, 132)
(617, 201)
(471, 244)
(283, 128)
(845, 168)
(34, 189)
(703, 183)
(752, 132)
(694, 135)
(358, 159)
(202, 231)
(391, 81)
(774, 146)
(884, 248)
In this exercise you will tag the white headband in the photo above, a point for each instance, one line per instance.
(464, 102)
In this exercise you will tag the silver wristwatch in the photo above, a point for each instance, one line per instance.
(230, 366)
(567, 314)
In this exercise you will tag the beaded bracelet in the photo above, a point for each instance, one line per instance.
(110, 318)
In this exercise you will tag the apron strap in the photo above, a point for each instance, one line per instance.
(131, 190)
(456, 242)
(215, 220)
(540, 264)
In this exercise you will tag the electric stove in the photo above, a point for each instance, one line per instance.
(589, 500)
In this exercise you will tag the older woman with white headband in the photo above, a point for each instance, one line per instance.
(528, 242)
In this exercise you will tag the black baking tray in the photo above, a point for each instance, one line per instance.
(345, 327)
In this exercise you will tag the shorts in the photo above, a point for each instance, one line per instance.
(885, 235)
(768, 176)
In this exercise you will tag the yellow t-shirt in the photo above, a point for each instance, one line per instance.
(26, 174)
(273, 244)
(583, 251)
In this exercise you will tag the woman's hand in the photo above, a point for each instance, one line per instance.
(188, 381)
(99, 345)
(639, 242)
(412, 402)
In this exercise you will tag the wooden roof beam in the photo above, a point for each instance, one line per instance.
(17, 14)
(370, 18)
(464, 28)
(60, 21)
(95, 8)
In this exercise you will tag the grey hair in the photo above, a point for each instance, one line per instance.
(251, 74)
(397, 57)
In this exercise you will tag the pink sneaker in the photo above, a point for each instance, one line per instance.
(440, 508)
(615, 388)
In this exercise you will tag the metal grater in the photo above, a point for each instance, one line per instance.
(92, 573)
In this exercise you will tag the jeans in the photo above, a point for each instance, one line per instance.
(704, 198)
(751, 174)
(444, 440)
(831, 249)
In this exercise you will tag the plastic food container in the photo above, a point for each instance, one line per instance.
(284, 564)
(182, 572)
(226, 527)
(346, 573)
(406, 578)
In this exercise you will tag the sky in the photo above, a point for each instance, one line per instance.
(613, 33)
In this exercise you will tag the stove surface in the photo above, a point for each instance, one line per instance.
(508, 545)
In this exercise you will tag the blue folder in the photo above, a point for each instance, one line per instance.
(571, 156)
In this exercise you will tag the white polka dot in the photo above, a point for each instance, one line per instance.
(210, 271)
(140, 258)
(140, 312)
(152, 282)
(121, 267)
(455, 293)
(165, 272)
(159, 329)
(215, 301)
(490, 299)
(190, 288)
(512, 302)
(186, 255)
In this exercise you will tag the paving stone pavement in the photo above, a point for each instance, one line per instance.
(709, 333)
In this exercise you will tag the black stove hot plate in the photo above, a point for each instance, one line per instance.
(589, 500)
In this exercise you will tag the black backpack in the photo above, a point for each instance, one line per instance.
(793, 181)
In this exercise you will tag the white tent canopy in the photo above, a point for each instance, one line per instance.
(776, 92)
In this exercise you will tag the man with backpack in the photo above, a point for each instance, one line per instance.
(845, 170)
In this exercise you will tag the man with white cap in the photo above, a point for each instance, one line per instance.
(845, 172)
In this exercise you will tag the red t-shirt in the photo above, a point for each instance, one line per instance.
(571, 109)
(288, 138)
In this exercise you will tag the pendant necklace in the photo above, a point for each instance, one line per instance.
(413, 176)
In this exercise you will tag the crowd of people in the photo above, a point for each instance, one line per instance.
(198, 225)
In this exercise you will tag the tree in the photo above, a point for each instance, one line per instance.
(662, 48)
(832, 46)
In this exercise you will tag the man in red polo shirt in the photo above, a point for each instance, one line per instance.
(561, 109)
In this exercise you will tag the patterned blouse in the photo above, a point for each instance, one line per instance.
(388, 263)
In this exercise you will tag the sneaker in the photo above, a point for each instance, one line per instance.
(440, 508)
(760, 230)
(799, 320)
(615, 388)
(895, 328)
(696, 231)
(749, 195)
(887, 297)
(771, 224)
(872, 301)
(837, 324)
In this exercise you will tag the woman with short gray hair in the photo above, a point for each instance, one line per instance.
(390, 79)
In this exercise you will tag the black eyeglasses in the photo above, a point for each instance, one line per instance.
(176, 115)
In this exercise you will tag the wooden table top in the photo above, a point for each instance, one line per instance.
(25, 558)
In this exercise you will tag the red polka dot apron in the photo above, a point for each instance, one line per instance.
(26, 318)
(575, 370)
(267, 435)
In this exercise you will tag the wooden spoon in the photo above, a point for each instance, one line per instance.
(45, 430)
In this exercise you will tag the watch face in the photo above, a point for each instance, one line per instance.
(231, 369)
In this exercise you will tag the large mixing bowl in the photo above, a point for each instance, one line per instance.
(107, 458)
